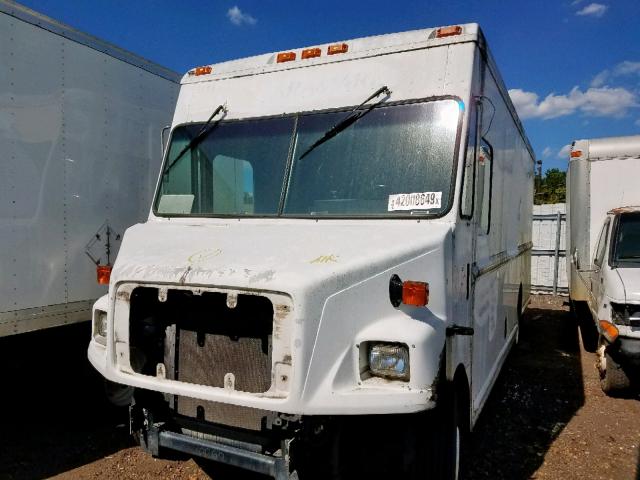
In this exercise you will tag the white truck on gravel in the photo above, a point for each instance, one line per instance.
(80, 129)
(335, 263)
(603, 241)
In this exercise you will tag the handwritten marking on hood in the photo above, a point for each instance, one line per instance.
(204, 255)
(326, 259)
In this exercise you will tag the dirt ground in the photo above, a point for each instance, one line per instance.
(545, 419)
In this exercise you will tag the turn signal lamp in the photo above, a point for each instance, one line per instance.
(103, 274)
(286, 57)
(448, 31)
(576, 153)
(337, 48)
(409, 292)
(609, 330)
(311, 53)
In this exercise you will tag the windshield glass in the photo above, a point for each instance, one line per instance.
(395, 160)
(627, 242)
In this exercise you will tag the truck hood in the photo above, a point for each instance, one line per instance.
(630, 278)
(281, 256)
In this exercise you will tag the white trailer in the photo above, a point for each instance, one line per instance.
(603, 242)
(80, 129)
(335, 264)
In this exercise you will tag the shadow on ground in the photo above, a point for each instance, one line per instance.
(539, 391)
(53, 414)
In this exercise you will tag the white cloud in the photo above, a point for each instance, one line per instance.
(576, 2)
(593, 10)
(601, 78)
(627, 68)
(238, 17)
(546, 153)
(622, 69)
(564, 152)
(598, 102)
(637, 123)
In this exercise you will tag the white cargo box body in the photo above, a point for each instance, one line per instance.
(80, 129)
(603, 175)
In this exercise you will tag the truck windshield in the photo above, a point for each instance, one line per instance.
(396, 160)
(627, 240)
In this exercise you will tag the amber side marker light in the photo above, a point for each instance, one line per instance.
(609, 330)
(286, 57)
(337, 48)
(311, 53)
(576, 153)
(103, 274)
(448, 31)
(409, 292)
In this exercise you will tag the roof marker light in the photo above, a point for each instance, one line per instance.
(448, 31)
(337, 48)
(311, 53)
(286, 57)
(576, 153)
(204, 70)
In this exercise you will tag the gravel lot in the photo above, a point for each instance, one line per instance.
(546, 418)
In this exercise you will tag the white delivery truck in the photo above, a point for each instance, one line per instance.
(603, 241)
(80, 129)
(335, 263)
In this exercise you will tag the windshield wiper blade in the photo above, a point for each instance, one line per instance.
(349, 120)
(203, 133)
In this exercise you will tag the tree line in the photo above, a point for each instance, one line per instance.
(551, 188)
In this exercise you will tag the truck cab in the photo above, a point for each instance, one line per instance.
(335, 263)
(614, 298)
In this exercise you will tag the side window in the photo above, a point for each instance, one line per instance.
(485, 177)
(468, 178)
(602, 244)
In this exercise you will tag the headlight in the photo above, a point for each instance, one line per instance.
(390, 360)
(100, 326)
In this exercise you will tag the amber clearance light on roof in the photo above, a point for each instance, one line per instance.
(286, 57)
(311, 53)
(448, 31)
(204, 70)
(576, 153)
(337, 48)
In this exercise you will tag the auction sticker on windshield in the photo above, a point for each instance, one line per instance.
(415, 201)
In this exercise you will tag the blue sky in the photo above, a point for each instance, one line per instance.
(572, 66)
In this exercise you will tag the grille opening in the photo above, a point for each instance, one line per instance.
(199, 339)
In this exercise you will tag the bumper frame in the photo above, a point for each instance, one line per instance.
(276, 466)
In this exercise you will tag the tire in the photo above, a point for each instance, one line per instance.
(613, 380)
(446, 434)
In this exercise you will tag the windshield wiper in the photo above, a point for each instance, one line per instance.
(349, 120)
(203, 133)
